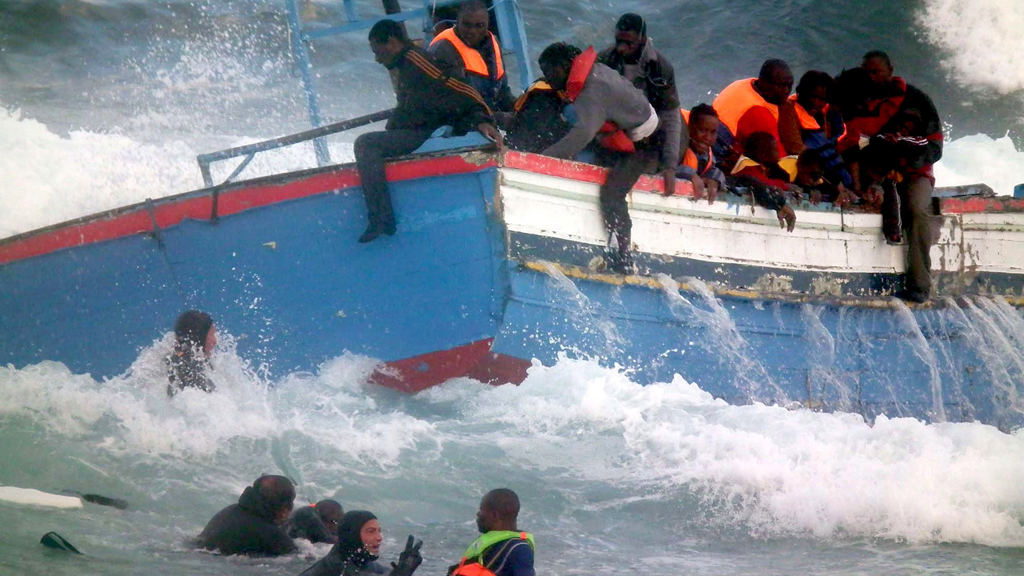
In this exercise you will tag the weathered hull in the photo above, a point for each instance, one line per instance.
(493, 267)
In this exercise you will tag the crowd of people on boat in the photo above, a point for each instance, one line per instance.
(863, 137)
(264, 523)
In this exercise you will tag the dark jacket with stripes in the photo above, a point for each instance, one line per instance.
(428, 98)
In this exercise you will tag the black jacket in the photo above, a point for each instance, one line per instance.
(428, 98)
(305, 523)
(246, 528)
(495, 91)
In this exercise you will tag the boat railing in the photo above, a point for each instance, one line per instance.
(507, 17)
(249, 151)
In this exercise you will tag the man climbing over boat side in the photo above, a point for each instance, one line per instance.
(633, 56)
(751, 105)
(501, 549)
(427, 99)
(194, 340)
(608, 105)
(905, 133)
(253, 525)
(472, 52)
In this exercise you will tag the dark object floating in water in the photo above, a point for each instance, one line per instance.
(56, 541)
(105, 501)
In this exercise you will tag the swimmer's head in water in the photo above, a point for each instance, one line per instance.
(360, 531)
(194, 331)
(499, 510)
(330, 513)
(277, 494)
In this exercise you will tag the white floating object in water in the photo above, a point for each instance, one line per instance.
(37, 498)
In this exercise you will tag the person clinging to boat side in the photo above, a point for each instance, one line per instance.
(194, 340)
(427, 99)
(472, 52)
(610, 107)
(905, 132)
(501, 549)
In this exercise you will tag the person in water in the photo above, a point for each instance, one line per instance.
(358, 547)
(472, 52)
(317, 522)
(608, 104)
(194, 339)
(501, 549)
(427, 99)
(253, 525)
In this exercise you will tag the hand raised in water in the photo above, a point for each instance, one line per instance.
(409, 560)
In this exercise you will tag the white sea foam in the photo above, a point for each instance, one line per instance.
(979, 158)
(981, 40)
(50, 178)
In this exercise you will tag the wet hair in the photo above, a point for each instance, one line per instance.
(811, 158)
(700, 111)
(385, 30)
(759, 142)
(277, 492)
(471, 6)
(350, 540)
(559, 54)
(813, 79)
(191, 329)
(329, 507)
(770, 67)
(503, 501)
(632, 23)
(880, 55)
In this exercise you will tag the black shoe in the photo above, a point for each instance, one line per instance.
(620, 263)
(909, 295)
(375, 230)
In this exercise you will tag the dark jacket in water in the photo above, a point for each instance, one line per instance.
(246, 528)
(306, 523)
(349, 558)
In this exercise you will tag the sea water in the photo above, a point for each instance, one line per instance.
(107, 102)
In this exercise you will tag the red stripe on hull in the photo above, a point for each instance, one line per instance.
(474, 360)
(980, 205)
(585, 172)
(170, 212)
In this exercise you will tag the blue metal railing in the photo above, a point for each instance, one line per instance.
(507, 17)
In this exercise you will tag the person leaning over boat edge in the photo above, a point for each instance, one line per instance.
(194, 340)
(359, 538)
(607, 104)
(501, 549)
(634, 57)
(427, 99)
(473, 53)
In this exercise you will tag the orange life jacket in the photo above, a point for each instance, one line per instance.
(614, 138)
(879, 112)
(471, 57)
(689, 156)
(736, 99)
(807, 122)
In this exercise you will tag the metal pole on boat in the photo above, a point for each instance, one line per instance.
(513, 37)
(298, 37)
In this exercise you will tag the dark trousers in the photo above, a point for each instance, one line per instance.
(625, 171)
(909, 206)
(372, 151)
